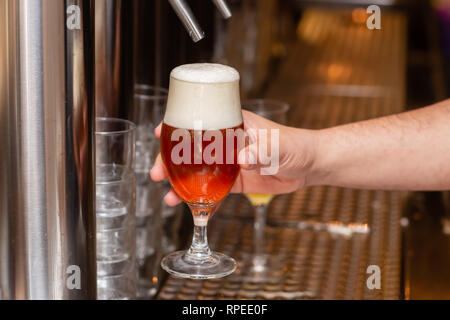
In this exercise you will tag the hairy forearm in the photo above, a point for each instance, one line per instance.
(408, 151)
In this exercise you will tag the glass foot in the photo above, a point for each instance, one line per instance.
(216, 266)
(262, 268)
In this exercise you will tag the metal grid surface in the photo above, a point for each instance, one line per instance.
(322, 238)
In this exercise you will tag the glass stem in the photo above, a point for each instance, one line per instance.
(199, 250)
(259, 226)
(199, 247)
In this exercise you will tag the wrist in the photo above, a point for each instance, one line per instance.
(319, 171)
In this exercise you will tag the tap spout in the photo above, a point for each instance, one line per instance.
(223, 8)
(184, 13)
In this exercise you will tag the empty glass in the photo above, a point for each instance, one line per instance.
(115, 209)
(172, 219)
(262, 264)
(147, 112)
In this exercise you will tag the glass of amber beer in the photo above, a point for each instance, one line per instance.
(275, 111)
(199, 149)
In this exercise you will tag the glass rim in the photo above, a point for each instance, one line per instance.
(126, 177)
(148, 97)
(131, 126)
(282, 106)
(160, 92)
(116, 276)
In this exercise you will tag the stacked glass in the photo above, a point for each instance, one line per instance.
(115, 209)
(147, 112)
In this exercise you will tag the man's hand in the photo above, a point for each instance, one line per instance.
(296, 152)
(407, 151)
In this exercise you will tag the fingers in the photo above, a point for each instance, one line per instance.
(159, 171)
(158, 130)
(248, 157)
(172, 199)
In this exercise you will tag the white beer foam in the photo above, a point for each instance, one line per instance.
(210, 99)
(205, 73)
(200, 221)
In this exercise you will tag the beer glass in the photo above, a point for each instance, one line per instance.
(203, 111)
(275, 111)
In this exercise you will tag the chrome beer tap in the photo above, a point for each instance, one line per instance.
(189, 21)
